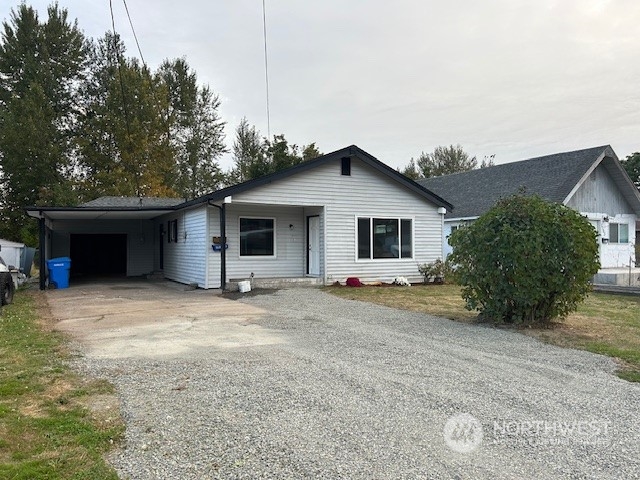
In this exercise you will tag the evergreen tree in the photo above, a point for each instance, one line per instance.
(41, 67)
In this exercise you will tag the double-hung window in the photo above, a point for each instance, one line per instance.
(384, 238)
(618, 233)
(257, 237)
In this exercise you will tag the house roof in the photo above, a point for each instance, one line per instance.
(132, 202)
(553, 177)
(149, 207)
(348, 152)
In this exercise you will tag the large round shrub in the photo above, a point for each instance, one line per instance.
(526, 260)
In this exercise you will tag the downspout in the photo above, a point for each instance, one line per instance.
(442, 211)
(43, 251)
(223, 239)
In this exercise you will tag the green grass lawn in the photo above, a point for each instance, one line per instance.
(605, 324)
(47, 428)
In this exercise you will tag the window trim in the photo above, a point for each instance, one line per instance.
(275, 238)
(385, 217)
(617, 239)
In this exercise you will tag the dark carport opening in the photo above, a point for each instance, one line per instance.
(94, 255)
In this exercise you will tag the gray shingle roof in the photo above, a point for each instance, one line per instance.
(552, 177)
(133, 202)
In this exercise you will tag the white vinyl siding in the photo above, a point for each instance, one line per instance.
(599, 193)
(364, 193)
(185, 259)
(140, 239)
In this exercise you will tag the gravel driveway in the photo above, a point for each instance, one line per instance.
(352, 390)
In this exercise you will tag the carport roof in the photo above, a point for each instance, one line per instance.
(133, 202)
(95, 213)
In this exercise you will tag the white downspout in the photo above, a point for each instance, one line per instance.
(442, 211)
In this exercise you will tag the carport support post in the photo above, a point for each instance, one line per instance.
(223, 251)
(43, 251)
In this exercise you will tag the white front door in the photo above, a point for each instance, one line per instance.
(313, 250)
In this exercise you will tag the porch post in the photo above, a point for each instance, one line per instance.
(223, 251)
(43, 251)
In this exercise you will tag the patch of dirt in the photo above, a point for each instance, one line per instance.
(253, 293)
(103, 408)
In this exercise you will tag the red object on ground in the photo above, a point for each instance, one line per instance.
(354, 282)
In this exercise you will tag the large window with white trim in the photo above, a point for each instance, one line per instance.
(618, 233)
(380, 238)
(257, 237)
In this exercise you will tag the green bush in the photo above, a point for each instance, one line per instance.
(525, 261)
(436, 271)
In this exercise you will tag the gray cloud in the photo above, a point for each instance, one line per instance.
(513, 78)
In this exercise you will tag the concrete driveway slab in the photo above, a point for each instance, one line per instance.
(154, 319)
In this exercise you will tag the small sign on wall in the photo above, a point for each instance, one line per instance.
(217, 240)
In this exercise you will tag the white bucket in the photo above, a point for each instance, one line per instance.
(244, 286)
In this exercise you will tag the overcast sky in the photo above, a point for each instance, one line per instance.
(514, 78)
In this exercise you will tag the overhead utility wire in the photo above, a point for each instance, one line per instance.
(266, 65)
(135, 37)
(119, 60)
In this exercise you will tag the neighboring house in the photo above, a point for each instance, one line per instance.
(340, 215)
(591, 181)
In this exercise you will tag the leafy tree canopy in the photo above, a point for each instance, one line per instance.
(632, 165)
(526, 260)
(256, 157)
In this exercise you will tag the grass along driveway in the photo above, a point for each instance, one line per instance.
(53, 423)
(604, 324)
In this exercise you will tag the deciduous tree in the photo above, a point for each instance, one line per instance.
(445, 160)
(196, 130)
(125, 146)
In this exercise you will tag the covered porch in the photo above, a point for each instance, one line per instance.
(272, 245)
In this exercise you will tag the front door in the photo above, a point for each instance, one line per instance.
(313, 250)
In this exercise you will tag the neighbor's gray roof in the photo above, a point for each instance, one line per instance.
(132, 202)
(552, 177)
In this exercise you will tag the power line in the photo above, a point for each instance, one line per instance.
(135, 37)
(266, 65)
(124, 98)
(119, 60)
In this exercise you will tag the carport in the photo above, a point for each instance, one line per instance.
(109, 236)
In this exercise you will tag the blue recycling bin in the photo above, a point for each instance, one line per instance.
(59, 271)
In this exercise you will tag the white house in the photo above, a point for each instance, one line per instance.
(340, 215)
(591, 181)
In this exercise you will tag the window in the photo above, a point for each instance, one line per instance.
(257, 237)
(346, 166)
(172, 231)
(618, 233)
(385, 238)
